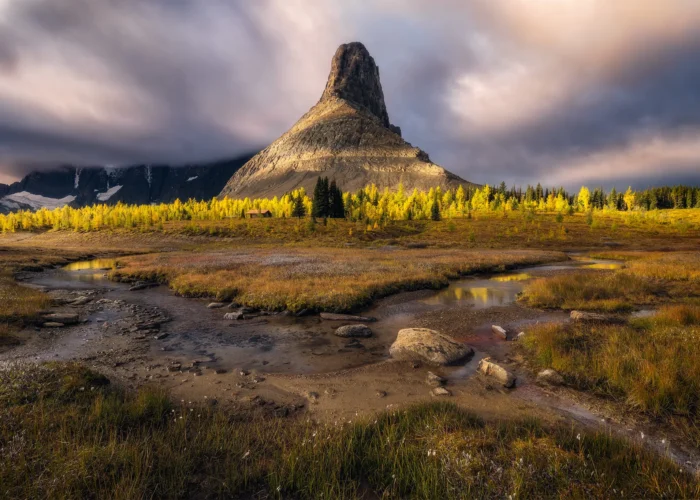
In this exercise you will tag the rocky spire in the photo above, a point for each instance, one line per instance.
(355, 78)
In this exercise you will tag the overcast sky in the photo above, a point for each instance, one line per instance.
(559, 91)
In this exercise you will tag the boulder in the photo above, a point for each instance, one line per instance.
(434, 380)
(550, 377)
(354, 331)
(422, 344)
(65, 318)
(491, 369)
(500, 331)
(345, 317)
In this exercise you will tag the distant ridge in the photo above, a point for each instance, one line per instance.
(140, 184)
(347, 136)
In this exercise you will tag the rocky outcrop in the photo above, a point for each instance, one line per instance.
(491, 369)
(362, 331)
(422, 344)
(347, 136)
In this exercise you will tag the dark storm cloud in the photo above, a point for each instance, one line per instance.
(502, 89)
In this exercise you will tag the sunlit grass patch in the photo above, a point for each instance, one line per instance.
(652, 363)
(19, 303)
(67, 433)
(320, 278)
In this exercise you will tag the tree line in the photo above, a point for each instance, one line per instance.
(369, 204)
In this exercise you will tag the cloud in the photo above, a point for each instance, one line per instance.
(514, 90)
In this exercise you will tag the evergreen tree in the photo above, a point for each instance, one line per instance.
(299, 209)
(336, 205)
(435, 210)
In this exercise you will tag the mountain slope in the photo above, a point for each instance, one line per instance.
(134, 185)
(347, 136)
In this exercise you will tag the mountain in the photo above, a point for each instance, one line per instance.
(347, 136)
(140, 184)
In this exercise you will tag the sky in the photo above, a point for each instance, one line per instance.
(563, 92)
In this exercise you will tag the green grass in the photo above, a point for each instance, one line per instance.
(67, 433)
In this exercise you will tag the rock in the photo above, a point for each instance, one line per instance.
(65, 318)
(500, 331)
(345, 317)
(81, 301)
(244, 373)
(140, 285)
(591, 317)
(235, 315)
(362, 331)
(175, 367)
(440, 391)
(312, 396)
(421, 344)
(520, 336)
(381, 394)
(434, 380)
(491, 369)
(355, 344)
(303, 312)
(351, 122)
(161, 336)
(215, 305)
(220, 371)
(550, 377)
(53, 324)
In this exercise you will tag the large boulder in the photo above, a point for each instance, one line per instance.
(422, 344)
(354, 331)
(491, 369)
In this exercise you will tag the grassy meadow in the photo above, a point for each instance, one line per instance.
(68, 433)
(316, 279)
(648, 278)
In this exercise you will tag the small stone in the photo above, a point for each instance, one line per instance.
(175, 367)
(313, 396)
(550, 377)
(381, 394)
(520, 336)
(440, 391)
(161, 336)
(361, 331)
(244, 373)
(434, 380)
(491, 369)
(345, 317)
(216, 305)
(65, 318)
(500, 331)
(233, 315)
(220, 371)
(53, 324)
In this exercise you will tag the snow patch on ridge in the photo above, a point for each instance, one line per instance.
(192, 178)
(108, 194)
(25, 199)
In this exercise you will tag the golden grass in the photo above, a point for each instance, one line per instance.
(647, 278)
(19, 303)
(67, 433)
(316, 279)
(652, 363)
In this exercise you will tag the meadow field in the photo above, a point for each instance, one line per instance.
(70, 433)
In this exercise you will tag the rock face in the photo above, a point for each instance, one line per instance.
(421, 344)
(361, 331)
(347, 136)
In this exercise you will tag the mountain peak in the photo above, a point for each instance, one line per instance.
(355, 77)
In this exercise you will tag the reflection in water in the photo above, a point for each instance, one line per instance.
(479, 293)
(512, 277)
(92, 264)
(604, 265)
